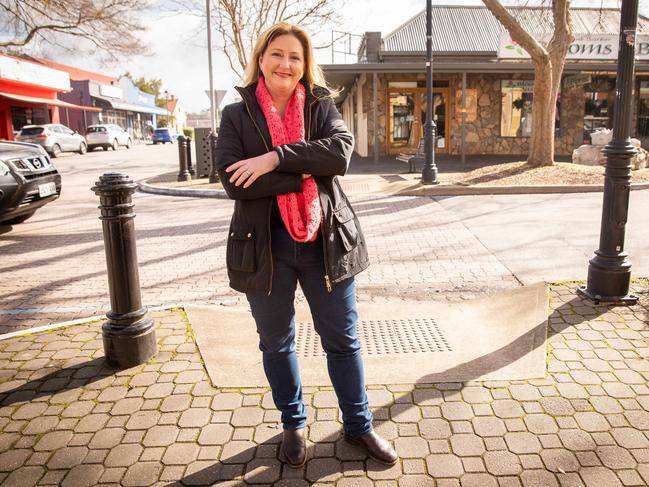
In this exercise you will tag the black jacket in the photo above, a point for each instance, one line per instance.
(325, 154)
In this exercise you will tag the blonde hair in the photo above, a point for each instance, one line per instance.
(313, 74)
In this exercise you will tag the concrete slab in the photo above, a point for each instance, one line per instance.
(501, 337)
(549, 237)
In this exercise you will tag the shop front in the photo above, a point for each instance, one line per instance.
(28, 95)
(483, 85)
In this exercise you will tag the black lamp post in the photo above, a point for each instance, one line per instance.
(609, 272)
(429, 173)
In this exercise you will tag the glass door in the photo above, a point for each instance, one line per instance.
(440, 109)
(403, 121)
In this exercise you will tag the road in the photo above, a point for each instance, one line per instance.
(53, 265)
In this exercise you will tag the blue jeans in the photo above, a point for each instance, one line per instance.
(334, 318)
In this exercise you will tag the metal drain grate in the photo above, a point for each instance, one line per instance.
(382, 337)
(356, 187)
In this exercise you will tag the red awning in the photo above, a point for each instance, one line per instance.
(47, 101)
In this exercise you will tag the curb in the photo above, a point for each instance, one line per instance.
(456, 190)
(144, 187)
(417, 190)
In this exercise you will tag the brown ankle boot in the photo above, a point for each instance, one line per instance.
(378, 448)
(294, 447)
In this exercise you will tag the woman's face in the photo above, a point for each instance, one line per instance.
(282, 64)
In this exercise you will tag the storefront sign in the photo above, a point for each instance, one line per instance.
(471, 104)
(525, 85)
(110, 91)
(576, 80)
(595, 47)
(23, 72)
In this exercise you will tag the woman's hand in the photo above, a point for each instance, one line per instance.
(246, 171)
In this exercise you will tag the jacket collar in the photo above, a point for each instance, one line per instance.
(249, 96)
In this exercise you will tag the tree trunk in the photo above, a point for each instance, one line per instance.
(548, 68)
(541, 151)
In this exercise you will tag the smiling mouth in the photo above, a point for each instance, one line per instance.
(283, 75)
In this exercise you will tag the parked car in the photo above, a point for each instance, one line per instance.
(54, 138)
(164, 135)
(28, 180)
(107, 135)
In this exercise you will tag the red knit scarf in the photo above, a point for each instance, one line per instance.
(300, 212)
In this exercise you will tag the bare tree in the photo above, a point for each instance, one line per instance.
(108, 26)
(549, 61)
(238, 23)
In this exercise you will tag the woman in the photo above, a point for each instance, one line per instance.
(278, 153)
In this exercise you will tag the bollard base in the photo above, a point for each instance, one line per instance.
(627, 300)
(184, 176)
(609, 280)
(126, 347)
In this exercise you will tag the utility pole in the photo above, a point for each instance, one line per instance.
(214, 176)
(429, 172)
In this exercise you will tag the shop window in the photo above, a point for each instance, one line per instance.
(597, 105)
(516, 108)
(643, 110)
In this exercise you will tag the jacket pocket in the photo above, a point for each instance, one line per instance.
(346, 227)
(240, 253)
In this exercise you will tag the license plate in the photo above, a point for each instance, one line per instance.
(46, 189)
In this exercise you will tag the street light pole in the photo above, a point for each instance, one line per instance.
(429, 172)
(609, 272)
(214, 177)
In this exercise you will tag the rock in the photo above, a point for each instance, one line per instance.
(484, 100)
(641, 159)
(601, 137)
(588, 155)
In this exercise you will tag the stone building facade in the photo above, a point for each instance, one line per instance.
(383, 99)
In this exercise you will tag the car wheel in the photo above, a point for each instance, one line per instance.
(105, 147)
(129, 144)
(56, 150)
(83, 148)
(20, 218)
(115, 144)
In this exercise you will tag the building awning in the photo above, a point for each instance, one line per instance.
(130, 107)
(47, 101)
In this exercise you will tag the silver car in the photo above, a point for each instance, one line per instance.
(54, 138)
(107, 135)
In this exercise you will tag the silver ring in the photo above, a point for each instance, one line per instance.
(247, 172)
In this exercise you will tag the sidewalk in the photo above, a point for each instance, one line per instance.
(390, 177)
(67, 420)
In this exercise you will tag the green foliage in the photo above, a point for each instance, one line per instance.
(151, 86)
(189, 132)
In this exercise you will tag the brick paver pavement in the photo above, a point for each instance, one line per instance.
(66, 420)
(54, 267)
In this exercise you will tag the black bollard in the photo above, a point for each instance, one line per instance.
(128, 334)
(183, 173)
(190, 166)
(214, 175)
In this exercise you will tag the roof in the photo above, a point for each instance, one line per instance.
(473, 29)
(76, 74)
(171, 104)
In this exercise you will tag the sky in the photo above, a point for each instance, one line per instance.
(179, 52)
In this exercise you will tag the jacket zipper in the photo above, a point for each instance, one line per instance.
(324, 253)
(255, 124)
(322, 226)
(270, 251)
(270, 209)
